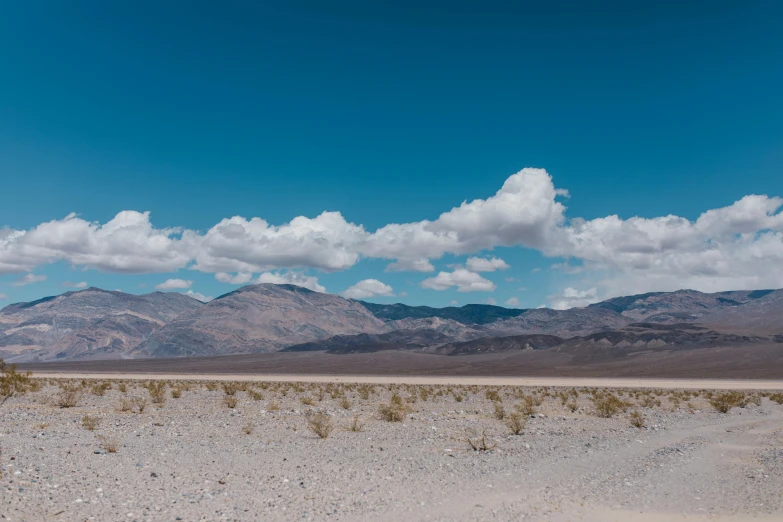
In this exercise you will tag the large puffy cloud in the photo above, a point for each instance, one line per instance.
(738, 246)
(368, 288)
(464, 280)
(327, 242)
(291, 278)
(523, 212)
(128, 243)
(735, 247)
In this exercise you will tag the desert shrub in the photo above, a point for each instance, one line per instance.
(345, 403)
(493, 395)
(395, 410)
(307, 401)
(516, 422)
(608, 405)
(247, 429)
(321, 424)
(255, 395)
(176, 393)
(776, 397)
(99, 390)
(90, 422)
(122, 387)
(273, 406)
(724, 402)
(109, 444)
(572, 406)
(12, 382)
(648, 401)
(637, 419)
(157, 391)
(211, 386)
(364, 392)
(527, 405)
(68, 397)
(230, 401)
(478, 442)
(500, 411)
(230, 388)
(140, 403)
(356, 424)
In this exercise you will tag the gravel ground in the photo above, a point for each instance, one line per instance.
(194, 458)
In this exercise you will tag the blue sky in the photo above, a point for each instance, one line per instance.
(391, 114)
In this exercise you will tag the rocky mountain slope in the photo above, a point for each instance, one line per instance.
(267, 317)
(260, 318)
(87, 322)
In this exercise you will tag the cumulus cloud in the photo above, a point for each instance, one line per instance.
(3, 296)
(573, 298)
(128, 243)
(480, 264)
(174, 284)
(368, 288)
(236, 279)
(735, 247)
(201, 297)
(292, 278)
(29, 279)
(69, 284)
(464, 280)
(513, 302)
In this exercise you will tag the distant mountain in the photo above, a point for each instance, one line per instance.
(86, 322)
(468, 314)
(259, 318)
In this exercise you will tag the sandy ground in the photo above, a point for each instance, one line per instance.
(689, 384)
(193, 458)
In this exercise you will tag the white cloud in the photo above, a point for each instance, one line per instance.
(368, 288)
(512, 301)
(573, 298)
(535, 270)
(464, 280)
(739, 246)
(69, 284)
(174, 284)
(29, 279)
(3, 296)
(128, 243)
(291, 278)
(453, 302)
(490, 301)
(479, 264)
(238, 279)
(201, 297)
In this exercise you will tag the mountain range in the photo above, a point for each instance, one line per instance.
(95, 323)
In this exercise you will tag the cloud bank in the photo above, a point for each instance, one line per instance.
(739, 246)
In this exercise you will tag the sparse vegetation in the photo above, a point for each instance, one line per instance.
(478, 442)
(608, 405)
(321, 424)
(90, 422)
(109, 444)
(356, 424)
(230, 401)
(516, 422)
(12, 382)
(247, 429)
(395, 411)
(725, 401)
(637, 419)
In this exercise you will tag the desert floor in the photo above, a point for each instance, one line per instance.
(190, 456)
